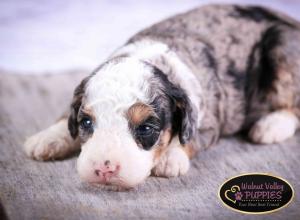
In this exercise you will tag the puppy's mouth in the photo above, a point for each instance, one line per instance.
(104, 178)
(106, 175)
(110, 180)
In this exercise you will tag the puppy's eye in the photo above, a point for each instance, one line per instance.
(144, 130)
(147, 135)
(86, 123)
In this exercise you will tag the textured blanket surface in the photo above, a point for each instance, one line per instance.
(52, 190)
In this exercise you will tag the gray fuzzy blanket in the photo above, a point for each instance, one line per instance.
(52, 190)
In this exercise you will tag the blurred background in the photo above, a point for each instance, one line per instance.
(38, 36)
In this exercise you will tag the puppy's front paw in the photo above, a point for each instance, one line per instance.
(53, 143)
(273, 128)
(42, 146)
(174, 163)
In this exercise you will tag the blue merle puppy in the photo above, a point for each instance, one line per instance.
(176, 87)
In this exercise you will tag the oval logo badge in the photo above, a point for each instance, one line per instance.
(256, 193)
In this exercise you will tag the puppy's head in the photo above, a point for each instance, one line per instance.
(125, 115)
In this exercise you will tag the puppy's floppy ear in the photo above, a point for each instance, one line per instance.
(184, 115)
(75, 106)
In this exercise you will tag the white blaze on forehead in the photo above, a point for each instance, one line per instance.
(116, 86)
(149, 50)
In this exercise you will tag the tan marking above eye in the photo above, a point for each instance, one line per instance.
(89, 112)
(139, 112)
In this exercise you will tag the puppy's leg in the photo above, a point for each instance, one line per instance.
(52, 143)
(173, 162)
(275, 86)
(274, 127)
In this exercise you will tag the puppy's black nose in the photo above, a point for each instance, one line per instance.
(107, 163)
(97, 172)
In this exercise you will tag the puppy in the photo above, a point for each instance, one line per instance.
(176, 88)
